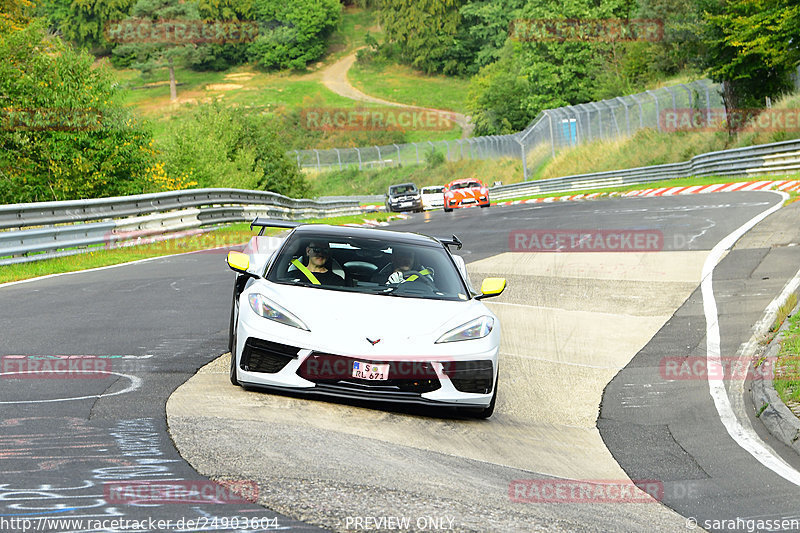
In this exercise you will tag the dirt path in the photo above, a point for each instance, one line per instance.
(334, 77)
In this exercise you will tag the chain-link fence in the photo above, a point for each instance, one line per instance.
(662, 109)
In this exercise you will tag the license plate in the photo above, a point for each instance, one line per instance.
(468, 201)
(405, 204)
(370, 371)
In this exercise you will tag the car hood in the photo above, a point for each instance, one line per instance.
(341, 322)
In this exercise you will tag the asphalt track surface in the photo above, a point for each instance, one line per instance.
(65, 440)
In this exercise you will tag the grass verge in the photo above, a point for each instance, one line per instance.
(399, 83)
(650, 147)
(787, 368)
(218, 241)
(354, 182)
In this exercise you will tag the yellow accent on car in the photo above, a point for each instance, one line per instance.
(302, 268)
(493, 286)
(238, 261)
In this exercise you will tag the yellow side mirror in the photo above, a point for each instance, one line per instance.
(492, 287)
(238, 261)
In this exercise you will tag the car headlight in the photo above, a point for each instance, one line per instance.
(266, 308)
(474, 329)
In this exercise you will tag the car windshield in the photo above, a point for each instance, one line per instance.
(465, 185)
(368, 265)
(432, 190)
(402, 189)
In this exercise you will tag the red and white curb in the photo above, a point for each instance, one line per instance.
(374, 223)
(782, 185)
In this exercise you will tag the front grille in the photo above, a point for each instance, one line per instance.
(265, 356)
(416, 377)
(471, 376)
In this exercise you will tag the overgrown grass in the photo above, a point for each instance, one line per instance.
(399, 83)
(650, 147)
(217, 241)
(787, 368)
(351, 34)
(784, 311)
(354, 182)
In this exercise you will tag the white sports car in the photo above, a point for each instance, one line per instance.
(363, 314)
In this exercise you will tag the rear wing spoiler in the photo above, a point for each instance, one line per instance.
(452, 241)
(273, 223)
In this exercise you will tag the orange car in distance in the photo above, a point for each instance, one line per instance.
(465, 193)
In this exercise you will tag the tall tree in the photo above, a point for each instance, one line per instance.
(84, 22)
(543, 66)
(485, 29)
(64, 134)
(148, 36)
(292, 33)
(425, 29)
(753, 47)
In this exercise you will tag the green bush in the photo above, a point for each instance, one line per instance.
(63, 132)
(220, 146)
(434, 158)
(293, 32)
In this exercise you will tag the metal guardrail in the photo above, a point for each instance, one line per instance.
(42, 230)
(774, 158)
(33, 231)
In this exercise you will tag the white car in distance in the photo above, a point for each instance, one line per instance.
(433, 197)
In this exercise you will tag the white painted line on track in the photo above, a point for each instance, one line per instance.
(745, 437)
(135, 384)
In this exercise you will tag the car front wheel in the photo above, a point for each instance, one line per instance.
(234, 373)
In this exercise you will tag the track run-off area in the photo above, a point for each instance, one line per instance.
(586, 402)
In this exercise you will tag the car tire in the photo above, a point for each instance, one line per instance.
(234, 371)
(447, 209)
(232, 324)
(487, 204)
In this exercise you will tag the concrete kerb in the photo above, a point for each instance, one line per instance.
(775, 415)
